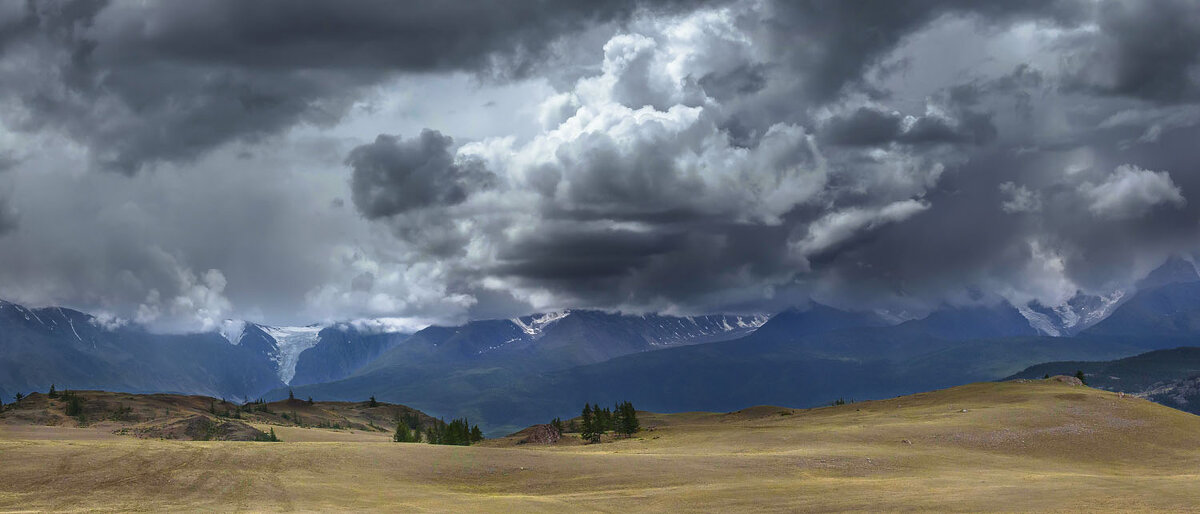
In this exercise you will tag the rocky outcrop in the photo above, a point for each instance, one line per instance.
(1067, 380)
(541, 434)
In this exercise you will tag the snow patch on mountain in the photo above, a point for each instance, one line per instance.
(232, 330)
(744, 322)
(539, 322)
(1074, 315)
(290, 342)
(1040, 321)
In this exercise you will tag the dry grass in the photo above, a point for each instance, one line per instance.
(1018, 447)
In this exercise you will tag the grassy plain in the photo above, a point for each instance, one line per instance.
(1013, 446)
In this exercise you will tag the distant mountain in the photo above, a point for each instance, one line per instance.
(242, 360)
(1083, 311)
(1174, 271)
(310, 354)
(40, 347)
(1169, 312)
(976, 322)
(340, 351)
(509, 373)
(1078, 313)
(814, 319)
(800, 358)
(1170, 377)
(558, 340)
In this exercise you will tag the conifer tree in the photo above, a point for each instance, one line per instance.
(52, 393)
(590, 430)
(557, 424)
(291, 394)
(629, 424)
(372, 402)
(18, 397)
(403, 434)
(310, 402)
(1081, 377)
(476, 434)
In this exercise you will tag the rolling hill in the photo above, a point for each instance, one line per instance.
(169, 416)
(1022, 446)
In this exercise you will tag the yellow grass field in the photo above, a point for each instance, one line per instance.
(1016, 446)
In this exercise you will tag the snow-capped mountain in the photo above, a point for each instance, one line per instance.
(1074, 315)
(656, 330)
(560, 339)
(56, 345)
(284, 347)
(1082, 311)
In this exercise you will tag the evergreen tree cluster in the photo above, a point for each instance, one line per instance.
(457, 432)
(405, 434)
(595, 422)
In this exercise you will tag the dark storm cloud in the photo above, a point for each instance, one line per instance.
(151, 82)
(831, 44)
(597, 254)
(392, 176)
(1147, 50)
(688, 157)
(8, 217)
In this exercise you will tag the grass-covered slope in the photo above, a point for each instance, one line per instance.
(1031, 446)
(169, 416)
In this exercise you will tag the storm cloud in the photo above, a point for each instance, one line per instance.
(293, 162)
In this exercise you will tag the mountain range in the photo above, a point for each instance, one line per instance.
(509, 373)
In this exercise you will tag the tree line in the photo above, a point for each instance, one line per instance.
(458, 432)
(595, 422)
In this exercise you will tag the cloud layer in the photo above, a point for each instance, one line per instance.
(308, 162)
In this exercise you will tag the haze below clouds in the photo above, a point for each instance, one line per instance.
(180, 163)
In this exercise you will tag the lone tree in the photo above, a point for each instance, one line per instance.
(18, 397)
(557, 424)
(590, 431)
(628, 421)
(310, 402)
(1079, 375)
(372, 402)
(291, 394)
(53, 393)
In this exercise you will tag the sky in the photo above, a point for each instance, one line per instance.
(176, 164)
